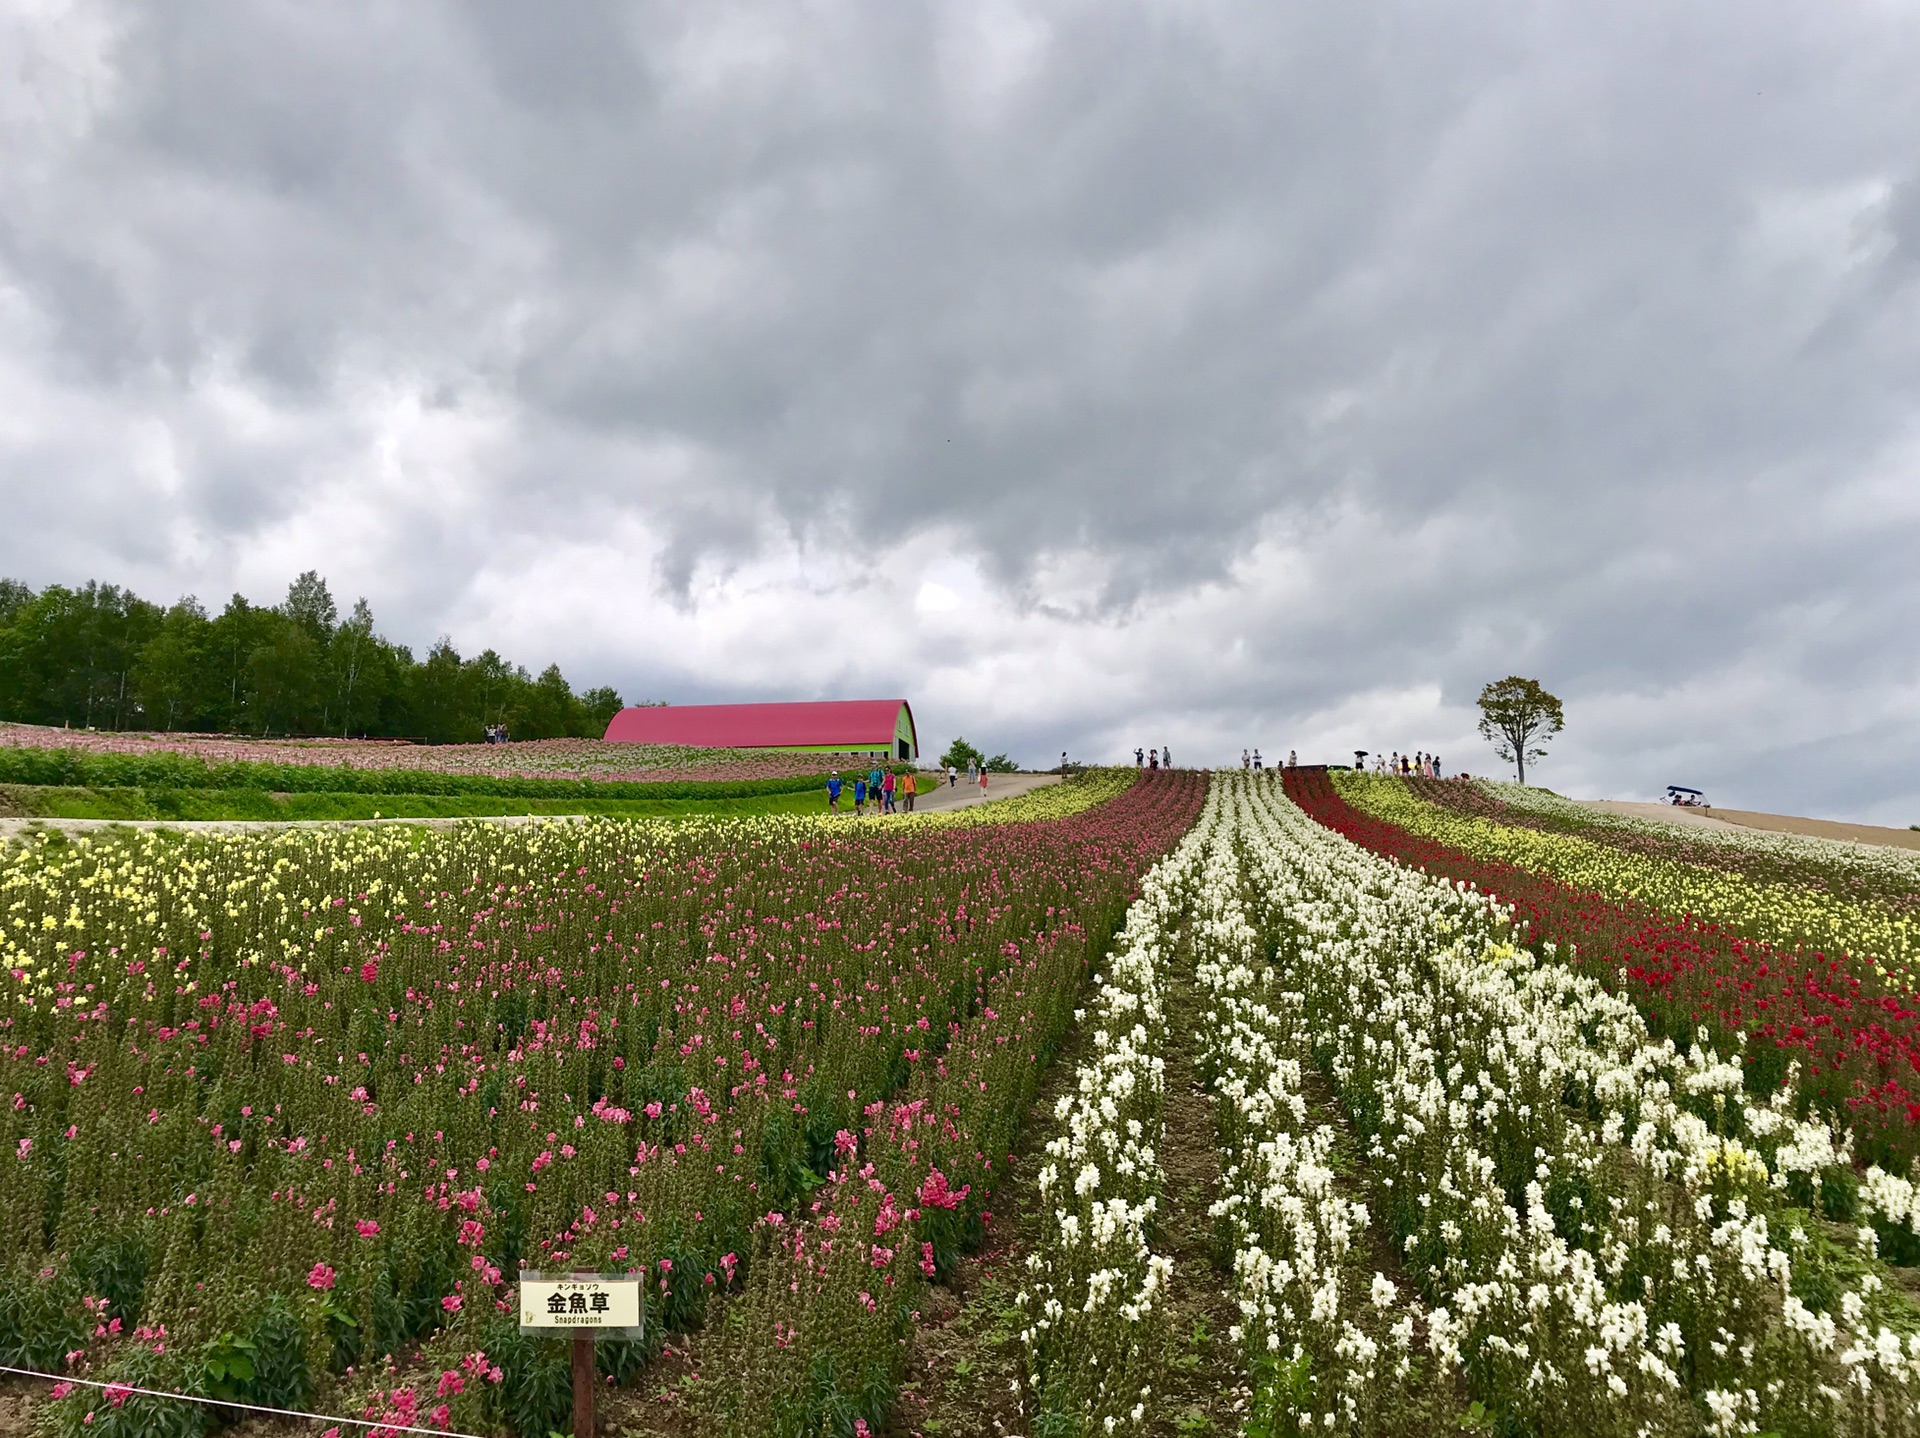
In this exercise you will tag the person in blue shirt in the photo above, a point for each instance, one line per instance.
(833, 793)
(860, 797)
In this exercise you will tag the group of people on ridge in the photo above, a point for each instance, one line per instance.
(889, 793)
(1149, 759)
(1254, 761)
(1424, 766)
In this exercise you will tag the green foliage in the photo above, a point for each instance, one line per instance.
(102, 657)
(1516, 715)
(959, 754)
(536, 1388)
(97, 1413)
(1280, 1391)
(265, 1365)
(41, 1319)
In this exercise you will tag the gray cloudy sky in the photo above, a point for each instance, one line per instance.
(1092, 373)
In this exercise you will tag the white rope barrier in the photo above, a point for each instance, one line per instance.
(128, 1388)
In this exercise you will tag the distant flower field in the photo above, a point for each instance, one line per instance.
(590, 759)
(1503, 1144)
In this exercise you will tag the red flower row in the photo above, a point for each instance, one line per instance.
(1857, 1042)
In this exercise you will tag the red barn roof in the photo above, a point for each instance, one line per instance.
(850, 722)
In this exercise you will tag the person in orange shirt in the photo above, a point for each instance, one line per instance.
(908, 787)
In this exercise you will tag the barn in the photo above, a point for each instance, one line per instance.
(836, 726)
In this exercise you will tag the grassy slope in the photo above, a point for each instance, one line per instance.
(69, 802)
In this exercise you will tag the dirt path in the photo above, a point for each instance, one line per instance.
(1709, 818)
(966, 796)
(1204, 1385)
(965, 1363)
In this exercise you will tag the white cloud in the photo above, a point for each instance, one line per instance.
(1216, 375)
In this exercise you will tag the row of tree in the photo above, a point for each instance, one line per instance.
(102, 657)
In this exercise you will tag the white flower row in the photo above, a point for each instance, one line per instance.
(1297, 1241)
(1092, 1279)
(1587, 1211)
(1889, 1200)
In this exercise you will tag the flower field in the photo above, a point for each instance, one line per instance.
(1791, 892)
(1840, 1030)
(589, 759)
(285, 1113)
(281, 1108)
(1460, 1178)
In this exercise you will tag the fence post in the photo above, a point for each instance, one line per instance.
(583, 1383)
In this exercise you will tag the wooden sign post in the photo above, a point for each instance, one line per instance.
(589, 1304)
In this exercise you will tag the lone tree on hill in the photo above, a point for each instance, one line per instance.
(1515, 714)
(959, 752)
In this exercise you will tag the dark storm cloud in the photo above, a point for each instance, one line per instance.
(1579, 340)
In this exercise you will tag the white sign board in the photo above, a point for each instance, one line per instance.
(604, 1302)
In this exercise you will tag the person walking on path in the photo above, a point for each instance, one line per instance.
(983, 781)
(972, 771)
(953, 776)
(860, 796)
(833, 793)
(887, 786)
(908, 786)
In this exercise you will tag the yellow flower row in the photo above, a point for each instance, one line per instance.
(1789, 915)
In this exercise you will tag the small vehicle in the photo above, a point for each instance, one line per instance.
(1681, 795)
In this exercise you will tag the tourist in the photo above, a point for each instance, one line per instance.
(1139, 757)
(860, 796)
(1433, 765)
(983, 781)
(909, 785)
(833, 793)
(873, 782)
(972, 771)
(887, 785)
(1166, 757)
(1293, 759)
(953, 776)
(1256, 761)
(1063, 763)
(1153, 759)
